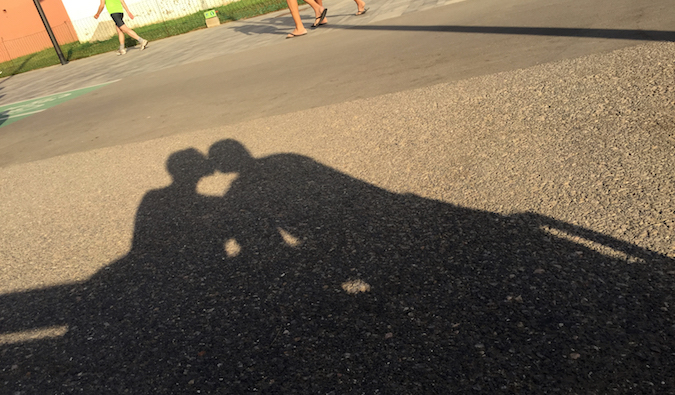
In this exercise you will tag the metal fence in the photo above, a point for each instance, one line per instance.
(12, 49)
(145, 12)
(89, 29)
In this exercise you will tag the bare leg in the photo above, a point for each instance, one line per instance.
(316, 6)
(325, 20)
(361, 5)
(130, 32)
(120, 35)
(295, 12)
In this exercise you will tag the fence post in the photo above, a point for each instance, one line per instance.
(9, 56)
(159, 10)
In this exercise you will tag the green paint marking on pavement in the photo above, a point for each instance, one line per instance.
(13, 112)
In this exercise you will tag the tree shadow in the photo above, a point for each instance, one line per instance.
(2, 95)
(304, 279)
(277, 24)
(21, 66)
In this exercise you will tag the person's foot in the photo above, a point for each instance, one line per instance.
(296, 33)
(144, 44)
(321, 19)
(361, 7)
(121, 52)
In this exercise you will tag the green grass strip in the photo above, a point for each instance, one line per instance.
(234, 11)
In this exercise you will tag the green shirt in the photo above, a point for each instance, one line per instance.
(114, 6)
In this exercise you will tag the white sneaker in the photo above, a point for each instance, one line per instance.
(144, 44)
(121, 52)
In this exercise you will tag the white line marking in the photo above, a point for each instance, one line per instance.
(22, 114)
(58, 93)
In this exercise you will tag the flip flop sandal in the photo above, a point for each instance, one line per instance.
(320, 19)
(291, 35)
(362, 12)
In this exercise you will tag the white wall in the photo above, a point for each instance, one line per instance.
(82, 12)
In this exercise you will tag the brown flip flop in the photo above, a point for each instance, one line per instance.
(291, 35)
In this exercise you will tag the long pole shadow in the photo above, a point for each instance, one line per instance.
(616, 34)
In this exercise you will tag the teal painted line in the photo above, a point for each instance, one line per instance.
(10, 113)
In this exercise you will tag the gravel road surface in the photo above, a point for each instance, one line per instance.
(511, 232)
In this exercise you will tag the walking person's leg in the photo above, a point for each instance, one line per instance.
(361, 7)
(117, 18)
(324, 20)
(120, 35)
(319, 12)
(295, 13)
(143, 42)
(122, 29)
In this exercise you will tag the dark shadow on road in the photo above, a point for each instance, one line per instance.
(4, 116)
(18, 69)
(250, 29)
(619, 34)
(258, 291)
(277, 25)
(281, 25)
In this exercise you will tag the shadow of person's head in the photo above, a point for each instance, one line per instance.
(230, 156)
(188, 166)
(382, 285)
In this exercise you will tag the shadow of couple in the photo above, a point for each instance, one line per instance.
(334, 284)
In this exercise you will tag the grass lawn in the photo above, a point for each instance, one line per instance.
(241, 9)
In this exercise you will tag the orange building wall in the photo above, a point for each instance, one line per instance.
(22, 31)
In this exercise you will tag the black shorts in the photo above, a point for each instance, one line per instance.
(117, 17)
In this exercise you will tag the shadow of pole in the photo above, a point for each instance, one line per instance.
(613, 34)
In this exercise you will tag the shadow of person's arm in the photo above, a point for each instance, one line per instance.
(29, 310)
(589, 238)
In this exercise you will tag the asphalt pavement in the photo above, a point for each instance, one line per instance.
(435, 197)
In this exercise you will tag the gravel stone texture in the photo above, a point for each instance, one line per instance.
(512, 233)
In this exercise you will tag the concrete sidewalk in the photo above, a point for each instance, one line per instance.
(196, 46)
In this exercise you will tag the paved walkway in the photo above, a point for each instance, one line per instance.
(196, 46)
